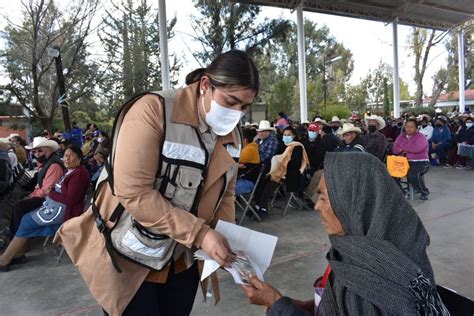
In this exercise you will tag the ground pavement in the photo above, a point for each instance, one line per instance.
(40, 288)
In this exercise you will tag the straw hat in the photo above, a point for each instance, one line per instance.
(380, 121)
(349, 127)
(43, 142)
(320, 121)
(265, 126)
(335, 119)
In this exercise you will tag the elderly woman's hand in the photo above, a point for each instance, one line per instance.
(261, 293)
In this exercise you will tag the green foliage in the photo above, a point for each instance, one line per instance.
(341, 111)
(130, 37)
(32, 72)
(371, 94)
(225, 25)
(281, 97)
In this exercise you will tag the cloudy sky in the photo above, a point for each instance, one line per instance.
(370, 42)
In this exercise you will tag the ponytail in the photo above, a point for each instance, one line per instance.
(195, 76)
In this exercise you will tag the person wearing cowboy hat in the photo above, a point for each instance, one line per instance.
(335, 125)
(267, 142)
(321, 122)
(352, 139)
(375, 142)
(50, 170)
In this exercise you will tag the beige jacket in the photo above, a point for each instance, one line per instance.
(135, 168)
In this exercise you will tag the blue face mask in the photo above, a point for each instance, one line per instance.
(288, 139)
(312, 135)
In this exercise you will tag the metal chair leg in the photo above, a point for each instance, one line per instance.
(60, 255)
(247, 208)
(292, 196)
(46, 240)
(412, 192)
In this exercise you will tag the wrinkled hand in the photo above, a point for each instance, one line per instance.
(261, 293)
(216, 246)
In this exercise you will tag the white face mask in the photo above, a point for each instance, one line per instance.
(222, 120)
(468, 125)
(100, 139)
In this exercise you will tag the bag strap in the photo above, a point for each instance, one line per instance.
(104, 230)
(99, 220)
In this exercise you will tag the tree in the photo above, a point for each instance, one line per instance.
(130, 37)
(371, 92)
(421, 41)
(320, 47)
(32, 72)
(225, 25)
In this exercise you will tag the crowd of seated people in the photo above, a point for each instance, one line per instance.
(425, 141)
(51, 176)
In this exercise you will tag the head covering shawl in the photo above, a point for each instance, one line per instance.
(380, 266)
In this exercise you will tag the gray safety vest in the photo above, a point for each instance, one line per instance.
(181, 172)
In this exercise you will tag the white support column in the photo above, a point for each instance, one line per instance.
(165, 66)
(462, 101)
(396, 83)
(301, 64)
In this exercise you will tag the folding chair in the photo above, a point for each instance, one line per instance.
(59, 249)
(246, 201)
(292, 198)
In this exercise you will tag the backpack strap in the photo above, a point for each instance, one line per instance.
(109, 178)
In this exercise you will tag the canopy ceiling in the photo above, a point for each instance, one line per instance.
(436, 14)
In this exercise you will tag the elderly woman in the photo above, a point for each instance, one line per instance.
(377, 261)
(66, 200)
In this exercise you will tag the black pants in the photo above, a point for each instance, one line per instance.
(174, 298)
(416, 176)
(21, 208)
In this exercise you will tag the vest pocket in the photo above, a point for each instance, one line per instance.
(187, 184)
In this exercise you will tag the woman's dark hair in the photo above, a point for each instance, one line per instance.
(292, 130)
(327, 129)
(414, 121)
(233, 68)
(249, 134)
(301, 132)
(75, 149)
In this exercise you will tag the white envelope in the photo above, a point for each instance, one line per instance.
(259, 247)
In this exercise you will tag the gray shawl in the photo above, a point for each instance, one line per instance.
(380, 266)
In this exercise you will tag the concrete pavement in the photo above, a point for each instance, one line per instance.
(40, 288)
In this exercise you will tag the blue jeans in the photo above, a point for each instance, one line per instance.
(243, 186)
(441, 151)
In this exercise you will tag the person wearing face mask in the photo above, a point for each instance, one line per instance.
(64, 201)
(314, 148)
(185, 182)
(335, 125)
(375, 142)
(441, 140)
(464, 136)
(397, 127)
(352, 139)
(425, 128)
(50, 169)
(290, 164)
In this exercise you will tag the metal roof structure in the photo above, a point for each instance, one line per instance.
(435, 14)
